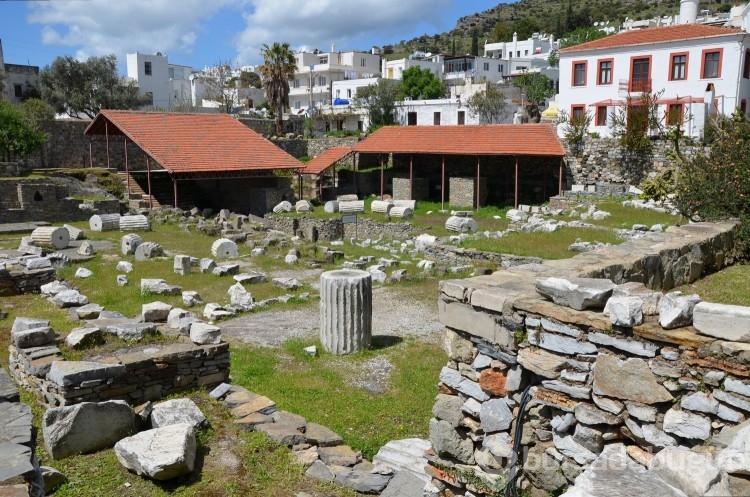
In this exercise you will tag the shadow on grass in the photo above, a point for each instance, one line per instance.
(379, 342)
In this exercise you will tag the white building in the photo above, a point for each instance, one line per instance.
(700, 68)
(167, 84)
(18, 79)
(393, 69)
(536, 46)
(317, 71)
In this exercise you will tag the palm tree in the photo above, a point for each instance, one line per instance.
(279, 66)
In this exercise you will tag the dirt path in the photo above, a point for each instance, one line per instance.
(394, 313)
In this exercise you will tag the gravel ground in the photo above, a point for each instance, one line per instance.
(392, 315)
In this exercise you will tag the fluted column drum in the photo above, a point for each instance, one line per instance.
(345, 311)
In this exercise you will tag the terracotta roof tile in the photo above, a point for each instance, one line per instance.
(493, 139)
(195, 143)
(661, 34)
(326, 160)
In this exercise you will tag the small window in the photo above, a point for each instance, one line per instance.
(712, 64)
(579, 74)
(297, 104)
(486, 66)
(577, 111)
(526, 52)
(411, 119)
(461, 117)
(363, 63)
(743, 105)
(500, 68)
(674, 114)
(746, 65)
(679, 67)
(349, 93)
(322, 81)
(601, 115)
(38, 197)
(18, 91)
(295, 83)
(338, 93)
(436, 118)
(605, 72)
(147, 68)
(518, 53)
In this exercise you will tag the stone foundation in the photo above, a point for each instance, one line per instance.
(17, 281)
(402, 189)
(133, 376)
(591, 383)
(333, 229)
(463, 191)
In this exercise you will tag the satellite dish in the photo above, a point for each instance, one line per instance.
(596, 24)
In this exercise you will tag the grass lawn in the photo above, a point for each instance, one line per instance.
(728, 286)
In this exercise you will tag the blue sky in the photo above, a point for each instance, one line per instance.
(200, 33)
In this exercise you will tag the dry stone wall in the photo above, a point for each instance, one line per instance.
(591, 384)
(134, 376)
(334, 229)
(603, 161)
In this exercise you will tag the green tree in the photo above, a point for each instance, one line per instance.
(75, 87)
(553, 58)
(635, 119)
(581, 35)
(717, 186)
(420, 84)
(17, 135)
(525, 27)
(379, 100)
(490, 105)
(474, 42)
(279, 66)
(219, 85)
(36, 113)
(536, 87)
(250, 80)
(503, 31)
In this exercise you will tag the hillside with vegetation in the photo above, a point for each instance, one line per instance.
(557, 17)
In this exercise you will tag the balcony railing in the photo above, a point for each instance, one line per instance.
(634, 86)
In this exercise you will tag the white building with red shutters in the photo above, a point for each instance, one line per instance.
(701, 69)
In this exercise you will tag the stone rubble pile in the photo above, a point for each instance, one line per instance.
(322, 451)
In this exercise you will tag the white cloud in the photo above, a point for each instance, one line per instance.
(320, 23)
(100, 27)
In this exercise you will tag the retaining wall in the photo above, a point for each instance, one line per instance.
(449, 254)
(148, 374)
(17, 281)
(333, 229)
(595, 384)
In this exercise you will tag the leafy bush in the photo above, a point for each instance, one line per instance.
(658, 187)
(718, 186)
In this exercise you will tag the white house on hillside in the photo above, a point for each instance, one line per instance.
(701, 69)
(317, 71)
(18, 78)
(167, 84)
(393, 69)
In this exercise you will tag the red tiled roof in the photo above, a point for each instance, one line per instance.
(195, 143)
(660, 34)
(492, 139)
(326, 160)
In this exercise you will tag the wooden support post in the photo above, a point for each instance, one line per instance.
(559, 189)
(106, 134)
(411, 177)
(354, 172)
(478, 182)
(127, 171)
(442, 186)
(382, 178)
(515, 195)
(544, 188)
(91, 154)
(148, 179)
(174, 187)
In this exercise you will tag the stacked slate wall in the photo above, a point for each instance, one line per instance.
(134, 376)
(593, 384)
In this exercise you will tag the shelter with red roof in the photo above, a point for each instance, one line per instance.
(211, 155)
(696, 69)
(503, 163)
